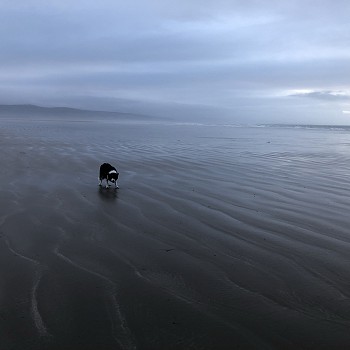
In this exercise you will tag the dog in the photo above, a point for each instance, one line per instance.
(109, 173)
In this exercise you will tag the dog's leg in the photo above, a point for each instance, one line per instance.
(107, 186)
(116, 184)
(99, 181)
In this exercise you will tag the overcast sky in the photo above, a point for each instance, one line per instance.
(248, 61)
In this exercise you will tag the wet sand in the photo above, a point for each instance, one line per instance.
(216, 239)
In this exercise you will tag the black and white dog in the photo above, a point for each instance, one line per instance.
(109, 173)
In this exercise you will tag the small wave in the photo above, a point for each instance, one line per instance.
(308, 127)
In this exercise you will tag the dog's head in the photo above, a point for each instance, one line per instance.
(113, 176)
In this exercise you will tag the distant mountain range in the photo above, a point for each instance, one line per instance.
(65, 112)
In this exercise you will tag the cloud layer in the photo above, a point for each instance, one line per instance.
(238, 58)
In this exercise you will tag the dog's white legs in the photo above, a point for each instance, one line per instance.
(107, 183)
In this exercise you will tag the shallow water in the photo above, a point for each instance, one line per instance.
(219, 236)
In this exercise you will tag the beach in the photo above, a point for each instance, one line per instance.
(219, 237)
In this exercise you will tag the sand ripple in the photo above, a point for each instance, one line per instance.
(217, 238)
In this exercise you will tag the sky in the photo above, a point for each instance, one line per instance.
(246, 61)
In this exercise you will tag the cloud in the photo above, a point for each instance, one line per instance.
(225, 53)
(325, 95)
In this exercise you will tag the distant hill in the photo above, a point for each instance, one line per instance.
(21, 111)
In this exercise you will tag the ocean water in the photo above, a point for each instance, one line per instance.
(236, 233)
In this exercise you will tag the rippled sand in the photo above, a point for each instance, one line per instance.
(218, 238)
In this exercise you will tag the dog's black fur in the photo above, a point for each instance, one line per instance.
(109, 173)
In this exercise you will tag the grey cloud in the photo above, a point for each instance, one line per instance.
(325, 95)
(200, 52)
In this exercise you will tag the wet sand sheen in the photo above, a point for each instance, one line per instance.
(215, 240)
